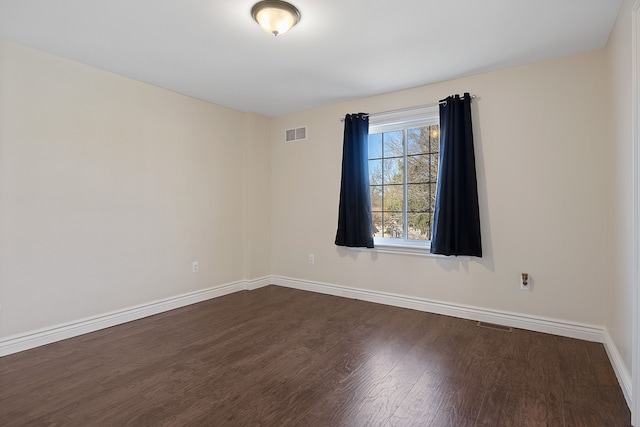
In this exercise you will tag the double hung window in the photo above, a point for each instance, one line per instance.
(403, 171)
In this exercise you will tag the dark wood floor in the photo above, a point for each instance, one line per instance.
(283, 357)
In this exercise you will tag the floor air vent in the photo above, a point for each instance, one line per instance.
(297, 134)
(494, 326)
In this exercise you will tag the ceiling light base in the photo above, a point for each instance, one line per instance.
(275, 16)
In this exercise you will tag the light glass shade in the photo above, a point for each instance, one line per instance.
(275, 17)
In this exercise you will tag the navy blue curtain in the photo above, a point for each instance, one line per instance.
(456, 219)
(354, 212)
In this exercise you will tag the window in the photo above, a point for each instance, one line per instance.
(403, 171)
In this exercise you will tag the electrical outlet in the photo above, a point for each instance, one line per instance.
(525, 282)
(312, 259)
(194, 266)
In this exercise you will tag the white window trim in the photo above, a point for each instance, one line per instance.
(420, 116)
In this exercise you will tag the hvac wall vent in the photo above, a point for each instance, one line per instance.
(494, 326)
(297, 134)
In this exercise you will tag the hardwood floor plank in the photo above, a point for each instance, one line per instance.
(542, 398)
(460, 404)
(579, 383)
(385, 397)
(307, 366)
(423, 401)
(338, 398)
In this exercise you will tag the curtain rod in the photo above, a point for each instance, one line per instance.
(402, 110)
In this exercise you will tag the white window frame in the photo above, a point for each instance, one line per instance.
(398, 120)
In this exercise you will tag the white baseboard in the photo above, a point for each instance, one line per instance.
(516, 320)
(620, 369)
(257, 283)
(32, 339)
(51, 334)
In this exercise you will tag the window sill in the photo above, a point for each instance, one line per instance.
(388, 248)
(415, 250)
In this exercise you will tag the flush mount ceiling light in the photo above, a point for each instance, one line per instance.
(274, 16)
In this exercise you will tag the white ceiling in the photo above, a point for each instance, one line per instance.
(340, 50)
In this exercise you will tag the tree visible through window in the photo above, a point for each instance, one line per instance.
(403, 172)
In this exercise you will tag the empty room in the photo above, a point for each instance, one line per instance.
(319, 213)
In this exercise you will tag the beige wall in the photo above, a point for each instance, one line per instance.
(541, 145)
(110, 188)
(257, 224)
(619, 289)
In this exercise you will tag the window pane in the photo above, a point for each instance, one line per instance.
(375, 146)
(420, 169)
(434, 133)
(376, 197)
(393, 198)
(376, 219)
(432, 197)
(393, 225)
(418, 140)
(393, 171)
(392, 144)
(419, 226)
(375, 172)
(420, 199)
(435, 164)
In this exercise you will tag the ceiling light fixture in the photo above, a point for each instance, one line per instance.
(275, 16)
